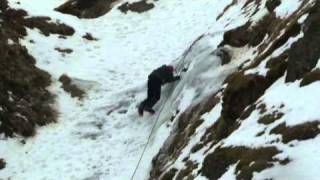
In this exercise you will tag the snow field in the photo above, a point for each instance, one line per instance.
(86, 143)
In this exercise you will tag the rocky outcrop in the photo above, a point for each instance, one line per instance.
(242, 94)
(272, 4)
(96, 8)
(304, 131)
(187, 124)
(71, 88)
(85, 8)
(305, 53)
(248, 161)
(139, 7)
(24, 98)
(18, 20)
(2, 164)
(25, 102)
(242, 90)
(46, 27)
(89, 37)
(311, 77)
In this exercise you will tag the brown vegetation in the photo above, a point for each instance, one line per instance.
(187, 124)
(139, 7)
(305, 53)
(67, 85)
(89, 37)
(310, 77)
(64, 50)
(247, 161)
(304, 131)
(86, 8)
(25, 101)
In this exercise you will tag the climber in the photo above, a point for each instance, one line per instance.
(156, 79)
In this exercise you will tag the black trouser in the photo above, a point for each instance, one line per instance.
(154, 92)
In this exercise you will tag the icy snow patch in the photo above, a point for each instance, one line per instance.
(230, 174)
(287, 7)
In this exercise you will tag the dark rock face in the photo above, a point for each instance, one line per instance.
(23, 96)
(89, 37)
(17, 20)
(248, 161)
(272, 4)
(241, 91)
(242, 96)
(187, 124)
(304, 131)
(139, 7)
(249, 34)
(224, 55)
(305, 53)
(47, 28)
(25, 103)
(64, 50)
(71, 88)
(237, 37)
(3, 5)
(2, 164)
(86, 8)
(311, 77)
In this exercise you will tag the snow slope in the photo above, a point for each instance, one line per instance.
(102, 137)
(86, 142)
(281, 121)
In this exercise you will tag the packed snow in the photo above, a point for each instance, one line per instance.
(86, 142)
(102, 136)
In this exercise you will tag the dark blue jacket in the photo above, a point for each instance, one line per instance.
(164, 74)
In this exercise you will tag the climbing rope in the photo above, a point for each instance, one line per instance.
(149, 138)
(180, 69)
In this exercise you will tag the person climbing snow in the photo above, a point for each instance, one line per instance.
(156, 79)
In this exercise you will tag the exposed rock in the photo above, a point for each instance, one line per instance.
(25, 102)
(304, 131)
(139, 7)
(260, 29)
(277, 67)
(169, 175)
(241, 97)
(248, 161)
(64, 50)
(241, 91)
(186, 172)
(187, 124)
(2, 164)
(89, 37)
(3, 5)
(251, 34)
(224, 56)
(15, 13)
(71, 88)
(226, 9)
(270, 118)
(47, 28)
(272, 4)
(310, 77)
(17, 19)
(86, 8)
(305, 53)
(237, 37)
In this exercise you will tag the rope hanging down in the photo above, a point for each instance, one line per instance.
(148, 141)
(180, 69)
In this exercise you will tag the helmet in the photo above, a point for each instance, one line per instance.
(170, 68)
